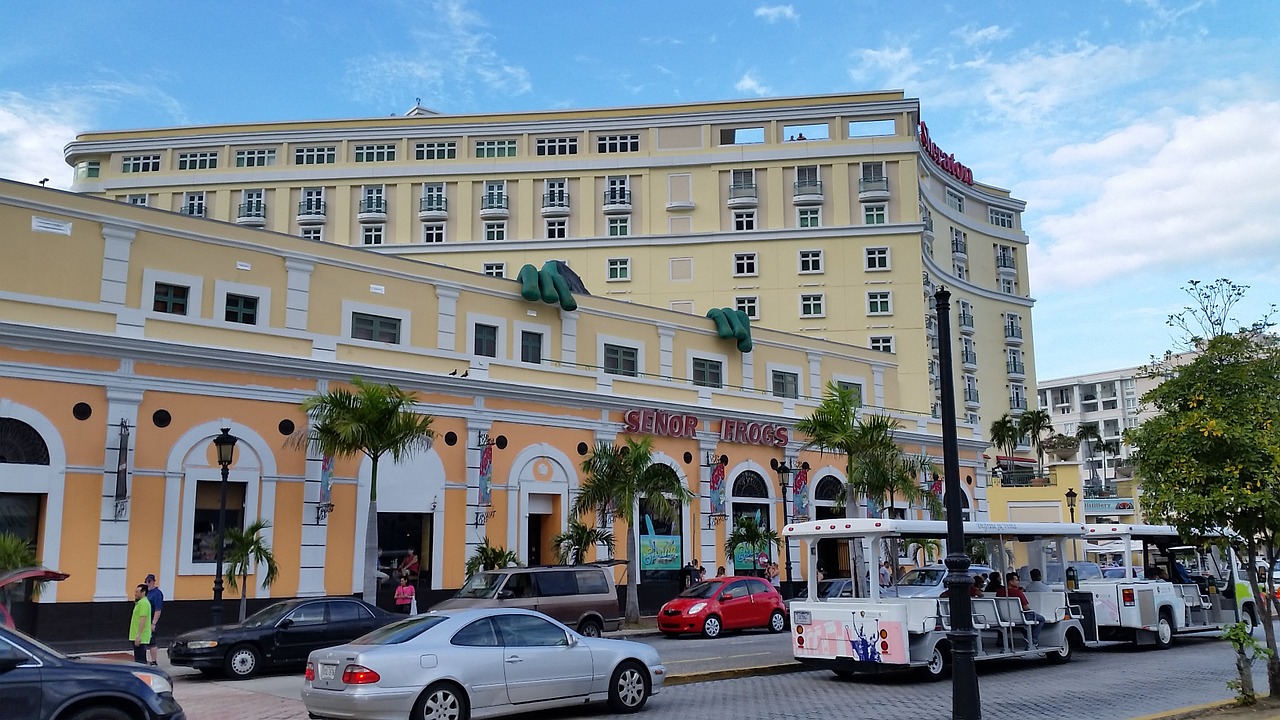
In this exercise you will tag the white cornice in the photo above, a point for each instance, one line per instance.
(951, 280)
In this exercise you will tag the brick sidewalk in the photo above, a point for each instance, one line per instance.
(216, 701)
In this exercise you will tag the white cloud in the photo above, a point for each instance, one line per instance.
(888, 67)
(1201, 202)
(973, 35)
(32, 135)
(774, 13)
(749, 84)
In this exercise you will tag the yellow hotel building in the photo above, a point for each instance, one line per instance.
(130, 335)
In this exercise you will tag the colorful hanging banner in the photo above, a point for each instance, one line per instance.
(800, 492)
(326, 479)
(486, 474)
(717, 489)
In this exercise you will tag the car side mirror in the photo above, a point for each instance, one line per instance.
(573, 640)
(506, 594)
(285, 624)
(725, 596)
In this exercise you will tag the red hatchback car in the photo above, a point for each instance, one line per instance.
(724, 603)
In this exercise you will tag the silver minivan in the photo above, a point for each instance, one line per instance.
(580, 596)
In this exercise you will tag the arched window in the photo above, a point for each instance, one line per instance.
(749, 484)
(828, 489)
(20, 444)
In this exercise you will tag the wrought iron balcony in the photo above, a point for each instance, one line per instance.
(1013, 334)
(494, 206)
(555, 204)
(959, 247)
(1005, 262)
(968, 357)
(873, 189)
(433, 207)
(616, 202)
(372, 210)
(807, 192)
(971, 396)
(743, 195)
(252, 213)
(1016, 367)
(966, 323)
(311, 212)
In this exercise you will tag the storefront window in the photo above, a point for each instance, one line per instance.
(205, 536)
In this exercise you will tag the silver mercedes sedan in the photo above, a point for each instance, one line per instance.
(476, 663)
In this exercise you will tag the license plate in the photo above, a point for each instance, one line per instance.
(801, 617)
(328, 671)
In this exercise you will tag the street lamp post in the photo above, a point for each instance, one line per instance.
(784, 472)
(966, 704)
(226, 446)
(1071, 503)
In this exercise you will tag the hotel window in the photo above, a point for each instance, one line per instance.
(495, 148)
(708, 373)
(873, 171)
(1008, 286)
(811, 306)
(171, 299)
(620, 360)
(193, 204)
(375, 199)
(375, 327)
(961, 270)
(495, 231)
(877, 258)
(882, 343)
(1005, 257)
(371, 234)
(744, 264)
(88, 169)
(1018, 398)
(557, 146)
(617, 190)
(312, 201)
(136, 200)
(748, 305)
(557, 229)
(486, 340)
(313, 233)
(433, 197)
(1000, 218)
(743, 179)
(807, 177)
(447, 150)
(242, 309)
(530, 347)
(853, 387)
(955, 200)
(786, 384)
(619, 226)
(810, 261)
(874, 214)
(376, 153)
(198, 161)
(255, 158)
(315, 155)
(617, 143)
(744, 220)
(619, 269)
(495, 269)
(809, 217)
(140, 163)
(879, 303)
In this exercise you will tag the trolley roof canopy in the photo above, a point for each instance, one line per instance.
(1158, 534)
(883, 527)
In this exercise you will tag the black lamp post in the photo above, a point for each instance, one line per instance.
(1071, 503)
(965, 701)
(226, 445)
(784, 473)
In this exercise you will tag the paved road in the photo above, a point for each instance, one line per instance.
(1113, 682)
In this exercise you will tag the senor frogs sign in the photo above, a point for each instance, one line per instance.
(680, 425)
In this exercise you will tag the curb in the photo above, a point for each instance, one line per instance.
(1206, 709)
(758, 670)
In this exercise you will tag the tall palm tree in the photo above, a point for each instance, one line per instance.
(375, 420)
(1107, 447)
(617, 479)
(573, 543)
(747, 532)
(1089, 434)
(246, 548)
(924, 550)
(1035, 424)
(490, 557)
(1005, 435)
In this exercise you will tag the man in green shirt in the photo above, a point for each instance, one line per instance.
(140, 624)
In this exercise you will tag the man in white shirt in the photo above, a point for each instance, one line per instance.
(1036, 584)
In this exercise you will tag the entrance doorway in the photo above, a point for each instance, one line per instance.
(20, 515)
(534, 541)
(542, 525)
(398, 534)
(833, 555)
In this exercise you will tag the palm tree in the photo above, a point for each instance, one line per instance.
(1005, 435)
(375, 420)
(1107, 447)
(15, 553)
(572, 544)
(617, 479)
(490, 557)
(747, 532)
(924, 550)
(246, 548)
(1034, 424)
(1089, 434)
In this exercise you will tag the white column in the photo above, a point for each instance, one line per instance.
(111, 581)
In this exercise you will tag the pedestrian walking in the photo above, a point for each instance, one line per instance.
(404, 596)
(156, 599)
(140, 624)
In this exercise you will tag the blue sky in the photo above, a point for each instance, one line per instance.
(1144, 134)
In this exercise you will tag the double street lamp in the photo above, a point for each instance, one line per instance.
(226, 447)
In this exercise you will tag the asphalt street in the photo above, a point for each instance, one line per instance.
(1115, 681)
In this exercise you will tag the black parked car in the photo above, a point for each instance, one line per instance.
(280, 634)
(39, 683)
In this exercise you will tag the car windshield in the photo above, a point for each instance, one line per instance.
(922, 577)
(826, 589)
(401, 631)
(269, 615)
(702, 590)
(481, 585)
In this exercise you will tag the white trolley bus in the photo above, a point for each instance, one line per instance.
(880, 631)
(1202, 588)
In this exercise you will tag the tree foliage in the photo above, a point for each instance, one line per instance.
(572, 544)
(245, 549)
(1035, 425)
(747, 532)
(1005, 435)
(490, 557)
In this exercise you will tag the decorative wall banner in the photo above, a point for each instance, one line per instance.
(660, 552)
(800, 492)
(326, 479)
(1118, 506)
(717, 488)
(486, 474)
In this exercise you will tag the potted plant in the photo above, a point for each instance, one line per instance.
(1060, 446)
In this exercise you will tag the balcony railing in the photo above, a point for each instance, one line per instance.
(555, 204)
(1005, 262)
(1013, 331)
(970, 395)
(1017, 403)
(968, 357)
(928, 223)
(311, 211)
(252, 213)
(873, 184)
(807, 192)
(617, 201)
(1025, 478)
(1016, 367)
(959, 247)
(966, 320)
(493, 201)
(193, 210)
(373, 205)
(743, 195)
(433, 203)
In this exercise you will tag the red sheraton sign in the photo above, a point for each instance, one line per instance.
(947, 162)
(657, 422)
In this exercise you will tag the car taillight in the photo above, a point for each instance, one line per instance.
(1127, 596)
(310, 674)
(359, 675)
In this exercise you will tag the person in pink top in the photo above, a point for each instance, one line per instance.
(404, 595)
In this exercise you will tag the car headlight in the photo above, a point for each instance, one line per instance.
(157, 683)
(696, 608)
(202, 644)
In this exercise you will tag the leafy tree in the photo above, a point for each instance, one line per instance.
(573, 543)
(490, 557)
(747, 532)
(617, 478)
(375, 420)
(1089, 438)
(1210, 458)
(924, 550)
(245, 549)
(1036, 424)
(1005, 436)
